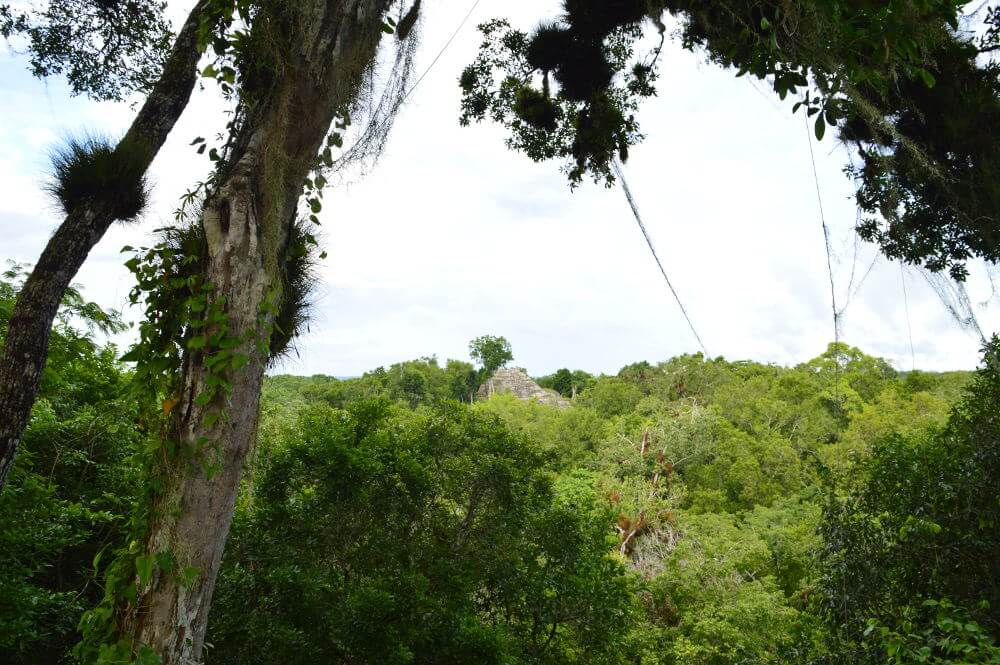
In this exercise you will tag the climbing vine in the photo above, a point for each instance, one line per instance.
(183, 316)
(186, 321)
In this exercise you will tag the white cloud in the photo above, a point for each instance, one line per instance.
(452, 235)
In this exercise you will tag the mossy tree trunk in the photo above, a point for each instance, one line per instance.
(324, 47)
(27, 340)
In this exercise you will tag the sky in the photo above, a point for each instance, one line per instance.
(451, 236)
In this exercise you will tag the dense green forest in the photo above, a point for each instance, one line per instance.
(175, 503)
(695, 511)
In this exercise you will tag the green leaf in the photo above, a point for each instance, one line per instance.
(165, 561)
(211, 469)
(820, 127)
(197, 342)
(188, 575)
(147, 656)
(97, 558)
(209, 72)
(132, 356)
(144, 567)
(927, 77)
(229, 343)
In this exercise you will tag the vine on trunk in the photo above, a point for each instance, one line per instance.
(183, 315)
(186, 323)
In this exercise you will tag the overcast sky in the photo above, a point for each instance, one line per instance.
(452, 236)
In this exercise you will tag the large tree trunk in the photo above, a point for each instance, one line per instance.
(326, 47)
(27, 341)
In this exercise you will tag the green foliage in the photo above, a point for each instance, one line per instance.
(926, 521)
(567, 383)
(491, 352)
(72, 487)
(677, 513)
(415, 383)
(610, 397)
(716, 599)
(180, 312)
(935, 632)
(891, 412)
(865, 375)
(421, 381)
(789, 527)
(589, 119)
(699, 475)
(682, 377)
(298, 278)
(184, 319)
(106, 49)
(93, 171)
(744, 471)
(918, 185)
(430, 538)
(568, 437)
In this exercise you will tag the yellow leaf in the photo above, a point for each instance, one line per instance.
(169, 404)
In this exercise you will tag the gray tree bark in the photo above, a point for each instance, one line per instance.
(27, 341)
(247, 219)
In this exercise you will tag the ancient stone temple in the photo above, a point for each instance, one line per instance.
(514, 381)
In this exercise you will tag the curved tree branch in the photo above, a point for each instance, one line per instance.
(30, 323)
